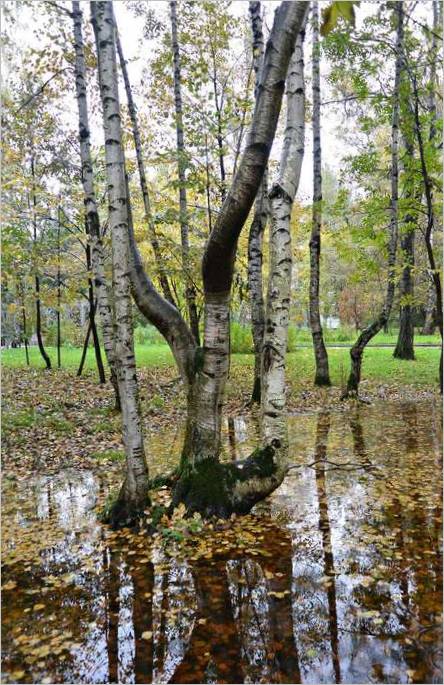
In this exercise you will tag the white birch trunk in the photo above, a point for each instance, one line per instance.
(134, 494)
(257, 228)
(91, 212)
(273, 405)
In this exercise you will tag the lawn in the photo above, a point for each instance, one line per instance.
(379, 363)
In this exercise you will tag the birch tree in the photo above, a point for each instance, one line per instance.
(378, 324)
(91, 211)
(204, 484)
(133, 496)
(282, 194)
(322, 376)
(257, 228)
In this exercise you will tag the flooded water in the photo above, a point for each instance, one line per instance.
(337, 578)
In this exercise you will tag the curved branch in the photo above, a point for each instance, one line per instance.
(220, 251)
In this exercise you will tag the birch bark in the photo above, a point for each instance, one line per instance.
(133, 497)
(205, 484)
(258, 224)
(279, 285)
(104, 304)
(322, 376)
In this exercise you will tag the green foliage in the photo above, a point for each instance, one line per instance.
(147, 335)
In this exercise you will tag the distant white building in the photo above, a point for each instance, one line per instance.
(330, 321)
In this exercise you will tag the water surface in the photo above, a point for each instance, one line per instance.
(337, 578)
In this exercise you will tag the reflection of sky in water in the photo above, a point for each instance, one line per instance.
(364, 563)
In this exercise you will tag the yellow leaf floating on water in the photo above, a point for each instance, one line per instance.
(147, 635)
(9, 586)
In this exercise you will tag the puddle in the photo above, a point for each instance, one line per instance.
(344, 583)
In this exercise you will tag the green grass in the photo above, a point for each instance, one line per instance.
(379, 364)
(109, 455)
(29, 417)
(146, 355)
(341, 336)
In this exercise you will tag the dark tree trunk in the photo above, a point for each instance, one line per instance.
(38, 324)
(38, 314)
(59, 295)
(85, 349)
(24, 326)
(404, 347)
(322, 376)
(208, 186)
(428, 191)
(93, 327)
(92, 220)
(96, 341)
(59, 339)
(427, 181)
(219, 135)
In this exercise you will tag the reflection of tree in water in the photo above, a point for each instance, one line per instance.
(213, 652)
(323, 429)
(243, 629)
(261, 599)
(403, 596)
(174, 612)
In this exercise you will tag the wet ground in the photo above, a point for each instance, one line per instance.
(337, 578)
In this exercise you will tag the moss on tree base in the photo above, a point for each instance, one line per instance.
(212, 488)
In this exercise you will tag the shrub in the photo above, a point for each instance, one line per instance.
(147, 335)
